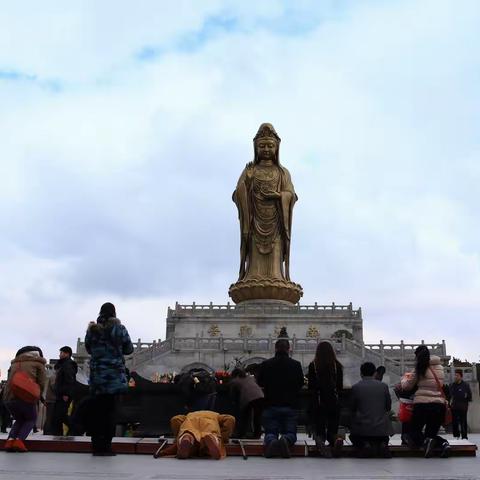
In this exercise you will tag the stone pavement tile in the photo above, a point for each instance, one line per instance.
(51, 466)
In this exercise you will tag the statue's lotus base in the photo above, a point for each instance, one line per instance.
(265, 289)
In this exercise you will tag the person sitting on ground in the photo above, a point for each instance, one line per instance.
(325, 382)
(460, 396)
(429, 402)
(200, 433)
(282, 379)
(29, 360)
(371, 404)
(248, 397)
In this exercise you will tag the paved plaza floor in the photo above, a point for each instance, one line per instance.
(76, 466)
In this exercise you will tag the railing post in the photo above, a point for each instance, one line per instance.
(444, 348)
(382, 353)
(221, 342)
(402, 356)
(139, 344)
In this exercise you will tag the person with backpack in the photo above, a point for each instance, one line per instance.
(325, 383)
(429, 403)
(199, 389)
(107, 341)
(26, 380)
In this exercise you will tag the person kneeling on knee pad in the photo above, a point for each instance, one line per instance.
(202, 433)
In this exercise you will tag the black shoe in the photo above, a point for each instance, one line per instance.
(284, 448)
(384, 451)
(366, 451)
(465, 438)
(104, 454)
(337, 447)
(428, 447)
(272, 449)
(445, 450)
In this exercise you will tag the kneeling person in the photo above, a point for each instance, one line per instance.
(202, 433)
(371, 403)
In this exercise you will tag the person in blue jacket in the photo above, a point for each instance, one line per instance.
(107, 341)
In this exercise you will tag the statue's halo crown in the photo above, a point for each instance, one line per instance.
(266, 130)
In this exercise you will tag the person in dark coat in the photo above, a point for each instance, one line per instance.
(248, 397)
(65, 377)
(107, 341)
(282, 379)
(371, 404)
(325, 383)
(460, 396)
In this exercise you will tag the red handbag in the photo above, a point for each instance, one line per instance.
(448, 411)
(405, 411)
(24, 387)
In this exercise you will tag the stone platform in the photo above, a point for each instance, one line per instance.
(305, 446)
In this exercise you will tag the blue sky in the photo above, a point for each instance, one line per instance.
(125, 128)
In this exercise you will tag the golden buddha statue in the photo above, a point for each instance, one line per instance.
(265, 198)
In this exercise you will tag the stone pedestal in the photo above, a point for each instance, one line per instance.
(265, 289)
(264, 318)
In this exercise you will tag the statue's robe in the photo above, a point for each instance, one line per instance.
(268, 257)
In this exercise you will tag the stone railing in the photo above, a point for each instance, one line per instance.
(389, 355)
(264, 308)
(403, 353)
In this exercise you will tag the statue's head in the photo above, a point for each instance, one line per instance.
(266, 143)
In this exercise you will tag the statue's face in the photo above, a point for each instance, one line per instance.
(266, 149)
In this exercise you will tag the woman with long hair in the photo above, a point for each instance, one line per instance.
(107, 341)
(28, 360)
(325, 382)
(429, 402)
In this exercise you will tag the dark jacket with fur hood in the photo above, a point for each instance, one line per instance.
(107, 341)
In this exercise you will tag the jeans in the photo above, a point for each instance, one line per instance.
(430, 416)
(25, 416)
(459, 419)
(280, 421)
